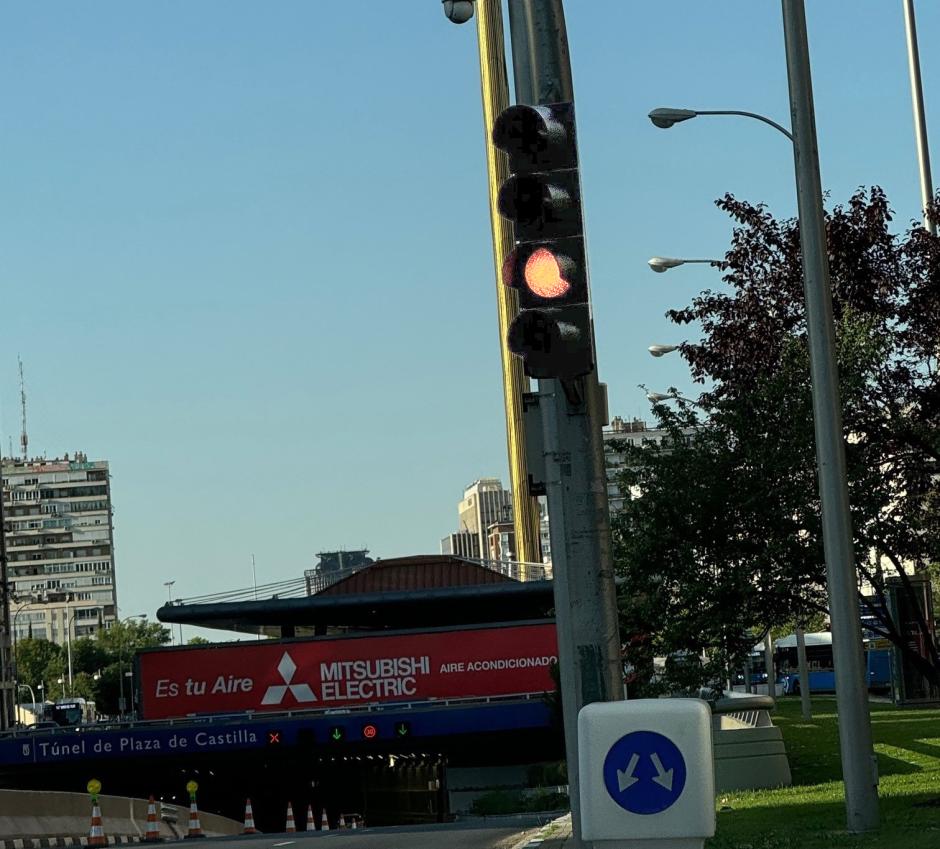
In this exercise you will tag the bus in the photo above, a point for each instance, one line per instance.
(822, 677)
(71, 712)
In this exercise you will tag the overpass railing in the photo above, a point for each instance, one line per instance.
(267, 716)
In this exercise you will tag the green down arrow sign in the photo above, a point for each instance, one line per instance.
(337, 733)
(402, 729)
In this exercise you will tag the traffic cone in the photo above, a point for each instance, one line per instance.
(249, 819)
(195, 828)
(311, 822)
(96, 835)
(152, 834)
(290, 828)
(324, 822)
(342, 822)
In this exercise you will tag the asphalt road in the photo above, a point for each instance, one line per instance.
(497, 833)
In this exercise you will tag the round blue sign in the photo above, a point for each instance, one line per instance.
(644, 772)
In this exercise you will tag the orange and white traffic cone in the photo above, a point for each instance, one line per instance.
(342, 822)
(152, 834)
(324, 822)
(195, 827)
(290, 828)
(96, 834)
(311, 822)
(249, 819)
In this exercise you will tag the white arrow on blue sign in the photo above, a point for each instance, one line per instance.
(644, 772)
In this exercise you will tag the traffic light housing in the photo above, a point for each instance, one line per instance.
(542, 197)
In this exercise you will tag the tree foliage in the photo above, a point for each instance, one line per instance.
(726, 539)
(99, 664)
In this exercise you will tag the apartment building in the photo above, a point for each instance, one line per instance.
(60, 546)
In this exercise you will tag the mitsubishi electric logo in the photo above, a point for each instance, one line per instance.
(276, 692)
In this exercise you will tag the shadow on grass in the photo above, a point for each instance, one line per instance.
(907, 822)
(813, 747)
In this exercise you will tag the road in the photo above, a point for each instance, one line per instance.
(496, 833)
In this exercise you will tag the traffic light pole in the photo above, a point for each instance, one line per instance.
(494, 89)
(576, 483)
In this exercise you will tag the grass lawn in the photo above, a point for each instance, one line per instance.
(811, 813)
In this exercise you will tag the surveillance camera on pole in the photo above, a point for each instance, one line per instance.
(458, 11)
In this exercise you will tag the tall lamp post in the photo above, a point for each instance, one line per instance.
(15, 666)
(920, 121)
(169, 597)
(122, 703)
(32, 695)
(856, 749)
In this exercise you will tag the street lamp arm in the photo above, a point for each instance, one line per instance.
(665, 117)
(754, 115)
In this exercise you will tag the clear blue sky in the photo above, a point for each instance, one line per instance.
(246, 253)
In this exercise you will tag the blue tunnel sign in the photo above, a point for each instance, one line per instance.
(644, 772)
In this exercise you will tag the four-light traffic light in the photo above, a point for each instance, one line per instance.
(542, 197)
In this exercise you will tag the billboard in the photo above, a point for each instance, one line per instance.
(324, 673)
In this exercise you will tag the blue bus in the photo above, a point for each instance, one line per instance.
(823, 680)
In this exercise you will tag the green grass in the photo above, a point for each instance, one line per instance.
(811, 813)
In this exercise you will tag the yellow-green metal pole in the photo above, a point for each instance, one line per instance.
(494, 87)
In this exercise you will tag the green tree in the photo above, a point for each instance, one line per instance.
(197, 641)
(132, 635)
(33, 657)
(726, 538)
(88, 655)
(119, 644)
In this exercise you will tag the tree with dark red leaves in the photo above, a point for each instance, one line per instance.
(726, 540)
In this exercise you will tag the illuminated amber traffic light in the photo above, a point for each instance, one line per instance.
(542, 197)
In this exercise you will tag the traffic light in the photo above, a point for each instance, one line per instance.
(542, 197)
(402, 729)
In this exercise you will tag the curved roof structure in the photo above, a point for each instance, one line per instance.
(401, 593)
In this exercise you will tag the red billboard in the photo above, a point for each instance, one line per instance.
(325, 673)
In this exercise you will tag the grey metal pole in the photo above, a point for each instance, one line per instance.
(769, 663)
(858, 759)
(805, 705)
(920, 122)
(576, 485)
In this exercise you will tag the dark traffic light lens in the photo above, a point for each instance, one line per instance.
(521, 132)
(537, 137)
(523, 199)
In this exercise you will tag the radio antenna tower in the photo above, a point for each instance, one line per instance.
(24, 439)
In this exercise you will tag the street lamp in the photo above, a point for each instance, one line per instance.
(661, 264)
(169, 596)
(16, 615)
(661, 350)
(660, 397)
(664, 117)
(32, 696)
(122, 702)
(855, 739)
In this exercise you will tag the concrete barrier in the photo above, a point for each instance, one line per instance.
(66, 817)
(749, 749)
